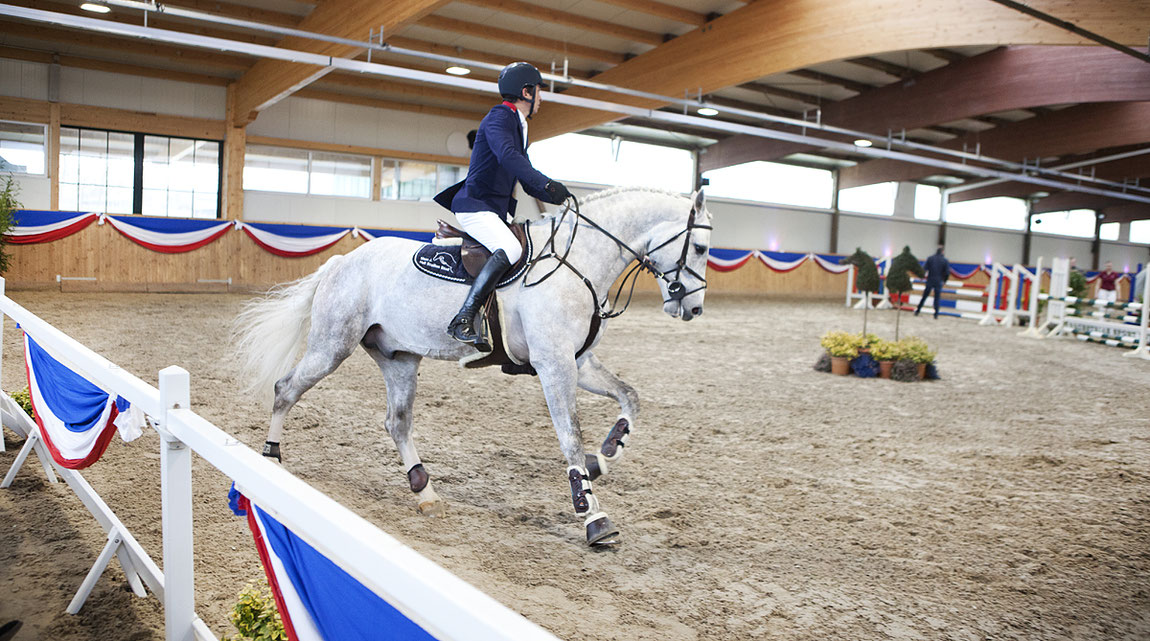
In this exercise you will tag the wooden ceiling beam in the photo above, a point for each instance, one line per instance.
(1117, 170)
(412, 89)
(47, 57)
(186, 55)
(395, 105)
(662, 10)
(471, 54)
(845, 83)
(736, 48)
(999, 80)
(1125, 212)
(567, 19)
(499, 34)
(944, 54)
(269, 81)
(890, 69)
(243, 12)
(1075, 130)
(770, 90)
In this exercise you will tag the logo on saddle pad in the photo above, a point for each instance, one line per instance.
(444, 262)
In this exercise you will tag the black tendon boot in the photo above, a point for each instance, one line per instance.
(462, 327)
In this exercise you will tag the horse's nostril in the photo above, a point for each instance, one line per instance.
(697, 311)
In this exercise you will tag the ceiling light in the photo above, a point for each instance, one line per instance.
(95, 7)
(863, 142)
(456, 70)
(707, 111)
(1040, 194)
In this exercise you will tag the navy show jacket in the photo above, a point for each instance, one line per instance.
(498, 160)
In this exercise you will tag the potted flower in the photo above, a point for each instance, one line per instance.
(886, 353)
(917, 351)
(842, 347)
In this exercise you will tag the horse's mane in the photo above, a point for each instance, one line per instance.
(615, 191)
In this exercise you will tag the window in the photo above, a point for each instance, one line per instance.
(22, 148)
(1076, 222)
(1108, 231)
(1000, 212)
(927, 200)
(181, 177)
(772, 183)
(1140, 231)
(177, 176)
(416, 180)
(297, 171)
(606, 161)
(387, 179)
(869, 199)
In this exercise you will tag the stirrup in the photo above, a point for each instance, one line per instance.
(458, 329)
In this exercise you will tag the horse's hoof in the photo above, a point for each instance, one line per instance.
(596, 466)
(434, 509)
(602, 531)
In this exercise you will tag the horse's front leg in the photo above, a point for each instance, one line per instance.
(558, 374)
(597, 379)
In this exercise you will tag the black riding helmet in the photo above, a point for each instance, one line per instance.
(515, 77)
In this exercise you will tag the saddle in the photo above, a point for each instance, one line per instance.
(472, 252)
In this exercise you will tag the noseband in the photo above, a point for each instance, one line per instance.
(676, 290)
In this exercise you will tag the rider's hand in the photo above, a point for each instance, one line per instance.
(557, 192)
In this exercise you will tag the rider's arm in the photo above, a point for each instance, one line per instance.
(506, 143)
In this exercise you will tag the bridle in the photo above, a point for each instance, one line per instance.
(676, 290)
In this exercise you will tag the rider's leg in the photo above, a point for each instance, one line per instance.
(488, 229)
(597, 379)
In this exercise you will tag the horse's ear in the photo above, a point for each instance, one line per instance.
(699, 200)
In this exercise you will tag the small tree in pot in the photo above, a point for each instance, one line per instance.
(898, 280)
(8, 207)
(867, 280)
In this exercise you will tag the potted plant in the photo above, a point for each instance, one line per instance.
(842, 347)
(917, 351)
(9, 205)
(886, 353)
(898, 280)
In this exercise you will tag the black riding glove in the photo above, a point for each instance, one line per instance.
(556, 191)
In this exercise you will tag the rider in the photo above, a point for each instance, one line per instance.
(483, 201)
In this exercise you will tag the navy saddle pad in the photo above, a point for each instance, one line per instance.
(444, 262)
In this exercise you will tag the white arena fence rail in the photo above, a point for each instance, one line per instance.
(445, 606)
(1125, 324)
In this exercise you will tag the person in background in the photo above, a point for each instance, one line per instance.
(937, 270)
(1108, 283)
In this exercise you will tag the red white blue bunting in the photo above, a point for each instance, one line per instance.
(168, 235)
(318, 600)
(371, 234)
(293, 241)
(46, 226)
(76, 418)
(726, 260)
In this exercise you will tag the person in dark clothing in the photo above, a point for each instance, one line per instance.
(482, 202)
(937, 271)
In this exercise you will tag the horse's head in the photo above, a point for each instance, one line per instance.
(679, 250)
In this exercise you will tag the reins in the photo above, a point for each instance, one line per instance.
(675, 288)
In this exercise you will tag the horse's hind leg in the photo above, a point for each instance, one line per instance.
(597, 379)
(399, 373)
(323, 355)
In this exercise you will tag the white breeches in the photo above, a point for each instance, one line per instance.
(1108, 295)
(490, 230)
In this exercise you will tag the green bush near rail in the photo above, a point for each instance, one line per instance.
(8, 206)
(24, 399)
(255, 616)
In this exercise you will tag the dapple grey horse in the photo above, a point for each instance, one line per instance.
(374, 298)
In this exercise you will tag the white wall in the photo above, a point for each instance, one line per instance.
(270, 207)
(35, 191)
(21, 79)
(1061, 247)
(966, 244)
(885, 235)
(743, 225)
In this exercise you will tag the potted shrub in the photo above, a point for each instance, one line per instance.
(898, 280)
(842, 347)
(917, 351)
(867, 280)
(886, 353)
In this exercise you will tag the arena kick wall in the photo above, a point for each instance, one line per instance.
(88, 97)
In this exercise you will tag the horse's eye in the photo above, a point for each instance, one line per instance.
(700, 249)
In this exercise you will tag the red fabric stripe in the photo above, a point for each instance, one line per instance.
(286, 254)
(175, 249)
(728, 268)
(266, 561)
(50, 236)
(71, 463)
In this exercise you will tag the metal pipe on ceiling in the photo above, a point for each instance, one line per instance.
(1070, 165)
(890, 140)
(277, 53)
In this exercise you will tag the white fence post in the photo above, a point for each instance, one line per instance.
(176, 490)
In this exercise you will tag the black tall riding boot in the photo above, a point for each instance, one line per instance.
(462, 327)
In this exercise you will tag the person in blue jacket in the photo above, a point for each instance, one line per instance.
(483, 202)
(937, 271)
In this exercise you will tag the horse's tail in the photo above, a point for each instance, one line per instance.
(269, 333)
